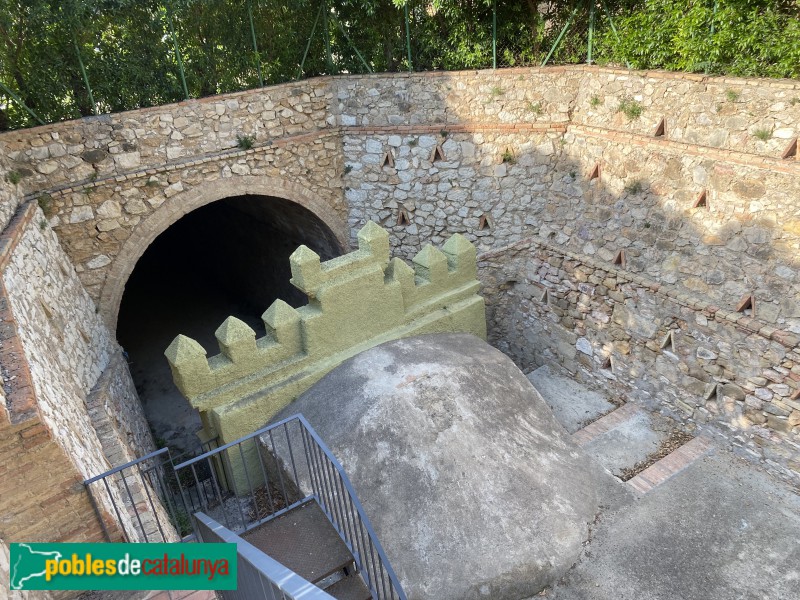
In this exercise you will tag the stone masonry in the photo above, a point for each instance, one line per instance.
(640, 229)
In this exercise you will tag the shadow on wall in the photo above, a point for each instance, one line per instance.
(631, 236)
(512, 177)
(229, 257)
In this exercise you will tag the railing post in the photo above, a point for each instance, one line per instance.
(83, 72)
(176, 46)
(19, 101)
(494, 34)
(408, 36)
(255, 43)
(326, 36)
(308, 45)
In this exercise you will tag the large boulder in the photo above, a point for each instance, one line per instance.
(474, 490)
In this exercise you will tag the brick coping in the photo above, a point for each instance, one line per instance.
(19, 391)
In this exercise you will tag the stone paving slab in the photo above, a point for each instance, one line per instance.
(573, 404)
(630, 440)
(720, 529)
(670, 465)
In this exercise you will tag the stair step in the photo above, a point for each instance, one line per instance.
(304, 541)
(349, 588)
(604, 424)
(624, 438)
(572, 403)
(670, 465)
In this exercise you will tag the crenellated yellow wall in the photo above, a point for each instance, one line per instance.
(356, 301)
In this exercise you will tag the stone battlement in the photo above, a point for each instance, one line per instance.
(356, 301)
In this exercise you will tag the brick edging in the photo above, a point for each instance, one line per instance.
(16, 375)
(737, 157)
(13, 232)
(463, 127)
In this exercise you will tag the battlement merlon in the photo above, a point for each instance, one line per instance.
(309, 274)
(353, 299)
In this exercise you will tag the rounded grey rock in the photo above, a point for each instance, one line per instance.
(473, 488)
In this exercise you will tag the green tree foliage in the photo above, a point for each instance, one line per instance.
(750, 37)
(129, 58)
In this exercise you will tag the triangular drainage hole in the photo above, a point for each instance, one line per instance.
(544, 296)
(403, 218)
(437, 154)
(485, 222)
(607, 364)
(702, 200)
(661, 128)
(668, 343)
(388, 160)
(791, 150)
(747, 305)
(595, 172)
(712, 392)
(619, 259)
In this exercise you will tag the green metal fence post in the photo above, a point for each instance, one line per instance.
(494, 34)
(613, 29)
(83, 72)
(19, 101)
(326, 33)
(713, 29)
(308, 45)
(177, 48)
(349, 41)
(561, 35)
(255, 43)
(591, 32)
(408, 36)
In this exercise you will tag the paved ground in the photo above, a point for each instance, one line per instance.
(700, 525)
(719, 530)
(573, 404)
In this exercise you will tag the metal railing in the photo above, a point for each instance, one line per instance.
(145, 497)
(258, 575)
(273, 470)
(139, 496)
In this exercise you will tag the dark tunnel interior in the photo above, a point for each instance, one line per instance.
(230, 257)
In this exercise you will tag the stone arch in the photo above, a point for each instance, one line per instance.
(185, 202)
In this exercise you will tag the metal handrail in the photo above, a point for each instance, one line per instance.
(359, 509)
(283, 465)
(126, 465)
(148, 508)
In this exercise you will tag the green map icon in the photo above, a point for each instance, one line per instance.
(28, 564)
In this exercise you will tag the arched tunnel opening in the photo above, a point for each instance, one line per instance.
(230, 257)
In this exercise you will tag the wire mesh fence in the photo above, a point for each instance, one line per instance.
(63, 59)
(75, 58)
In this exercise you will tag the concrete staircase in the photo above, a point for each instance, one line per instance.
(304, 541)
(640, 448)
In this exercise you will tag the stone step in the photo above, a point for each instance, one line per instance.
(350, 588)
(670, 465)
(573, 404)
(623, 438)
(304, 541)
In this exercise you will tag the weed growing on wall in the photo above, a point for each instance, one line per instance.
(631, 108)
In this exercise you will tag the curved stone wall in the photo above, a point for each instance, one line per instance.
(679, 190)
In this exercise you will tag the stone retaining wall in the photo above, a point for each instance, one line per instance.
(53, 350)
(707, 367)
(703, 209)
